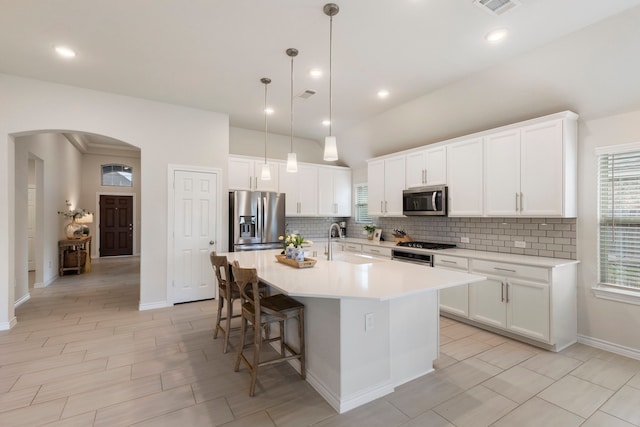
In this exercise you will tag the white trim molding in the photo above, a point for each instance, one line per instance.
(22, 300)
(153, 305)
(5, 326)
(616, 294)
(611, 347)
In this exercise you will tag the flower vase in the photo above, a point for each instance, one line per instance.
(73, 230)
(370, 235)
(299, 254)
(289, 252)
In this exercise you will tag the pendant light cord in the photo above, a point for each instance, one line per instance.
(265, 123)
(330, 75)
(291, 104)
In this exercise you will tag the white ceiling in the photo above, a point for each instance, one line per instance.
(211, 54)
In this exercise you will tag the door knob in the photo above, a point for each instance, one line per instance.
(212, 242)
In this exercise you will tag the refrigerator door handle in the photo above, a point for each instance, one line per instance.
(259, 220)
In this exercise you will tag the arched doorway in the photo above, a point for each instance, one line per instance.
(67, 168)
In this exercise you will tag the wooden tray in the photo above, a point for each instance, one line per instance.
(307, 263)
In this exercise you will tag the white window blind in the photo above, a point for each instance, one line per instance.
(362, 203)
(619, 219)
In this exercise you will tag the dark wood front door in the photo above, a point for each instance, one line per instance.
(116, 225)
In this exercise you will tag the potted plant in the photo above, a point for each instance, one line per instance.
(370, 228)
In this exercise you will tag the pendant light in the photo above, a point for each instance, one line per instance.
(266, 172)
(330, 145)
(292, 161)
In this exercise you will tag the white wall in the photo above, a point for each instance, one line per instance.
(60, 182)
(92, 187)
(251, 143)
(608, 321)
(166, 134)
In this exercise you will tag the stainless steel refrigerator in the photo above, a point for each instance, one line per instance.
(256, 220)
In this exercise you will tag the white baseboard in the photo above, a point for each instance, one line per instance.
(608, 346)
(22, 300)
(45, 284)
(153, 305)
(5, 326)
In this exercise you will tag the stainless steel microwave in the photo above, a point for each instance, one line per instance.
(425, 201)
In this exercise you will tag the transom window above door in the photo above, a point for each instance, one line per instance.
(117, 175)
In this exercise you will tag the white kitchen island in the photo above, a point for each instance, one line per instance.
(371, 323)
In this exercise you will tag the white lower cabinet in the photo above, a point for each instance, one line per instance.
(453, 300)
(513, 297)
(377, 251)
(535, 303)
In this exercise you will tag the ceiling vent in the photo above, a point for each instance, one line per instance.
(306, 94)
(497, 7)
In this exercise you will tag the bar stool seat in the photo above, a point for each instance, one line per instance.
(228, 292)
(258, 313)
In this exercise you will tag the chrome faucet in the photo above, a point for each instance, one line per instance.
(329, 249)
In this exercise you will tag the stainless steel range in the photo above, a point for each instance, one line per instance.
(403, 252)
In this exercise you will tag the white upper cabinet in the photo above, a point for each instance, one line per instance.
(530, 171)
(464, 177)
(386, 181)
(301, 189)
(502, 173)
(245, 174)
(426, 167)
(548, 170)
(334, 191)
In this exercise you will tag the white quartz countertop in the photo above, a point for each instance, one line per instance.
(350, 276)
(533, 261)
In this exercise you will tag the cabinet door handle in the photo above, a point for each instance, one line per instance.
(385, 207)
(521, 202)
(381, 209)
(250, 182)
(449, 262)
(256, 187)
(501, 291)
(507, 292)
(504, 269)
(374, 250)
(425, 176)
(517, 202)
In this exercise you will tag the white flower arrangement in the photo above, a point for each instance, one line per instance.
(294, 240)
(73, 214)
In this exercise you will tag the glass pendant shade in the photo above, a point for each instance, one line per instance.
(266, 173)
(292, 162)
(330, 149)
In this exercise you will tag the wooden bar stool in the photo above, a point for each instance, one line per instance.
(260, 312)
(227, 292)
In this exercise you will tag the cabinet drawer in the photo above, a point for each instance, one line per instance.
(510, 270)
(353, 247)
(452, 262)
(377, 251)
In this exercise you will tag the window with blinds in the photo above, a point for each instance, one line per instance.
(619, 219)
(362, 203)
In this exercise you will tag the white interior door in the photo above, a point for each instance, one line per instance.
(31, 233)
(195, 207)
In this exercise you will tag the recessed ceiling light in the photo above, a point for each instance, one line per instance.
(315, 73)
(65, 52)
(269, 110)
(326, 122)
(383, 93)
(496, 36)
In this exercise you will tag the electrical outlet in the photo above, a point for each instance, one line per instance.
(520, 244)
(464, 240)
(368, 322)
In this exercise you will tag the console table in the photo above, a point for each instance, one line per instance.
(77, 249)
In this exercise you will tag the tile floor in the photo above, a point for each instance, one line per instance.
(82, 355)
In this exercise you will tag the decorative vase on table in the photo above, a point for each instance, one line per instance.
(289, 251)
(370, 235)
(73, 230)
(299, 254)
